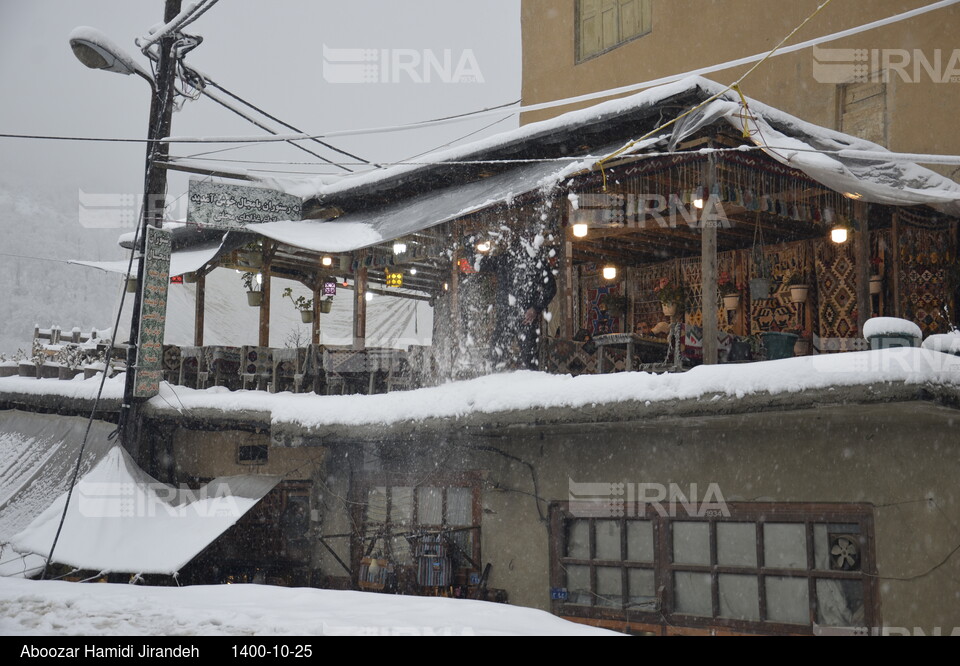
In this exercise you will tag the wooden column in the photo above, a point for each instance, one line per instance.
(315, 326)
(198, 308)
(708, 266)
(893, 264)
(264, 339)
(566, 291)
(360, 304)
(862, 254)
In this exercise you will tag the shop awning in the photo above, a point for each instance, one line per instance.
(122, 520)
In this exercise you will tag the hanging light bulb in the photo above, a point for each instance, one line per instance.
(327, 261)
(609, 272)
(484, 246)
(260, 278)
(840, 232)
(368, 296)
(580, 230)
(399, 248)
(413, 271)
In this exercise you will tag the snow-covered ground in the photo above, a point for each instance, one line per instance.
(86, 609)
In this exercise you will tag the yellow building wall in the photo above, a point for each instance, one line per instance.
(689, 34)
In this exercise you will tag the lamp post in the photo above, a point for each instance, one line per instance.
(97, 52)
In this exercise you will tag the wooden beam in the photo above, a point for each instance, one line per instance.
(566, 290)
(893, 263)
(708, 266)
(315, 326)
(264, 337)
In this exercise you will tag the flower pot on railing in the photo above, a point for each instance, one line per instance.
(254, 298)
(759, 288)
(731, 301)
(876, 284)
(799, 292)
(669, 309)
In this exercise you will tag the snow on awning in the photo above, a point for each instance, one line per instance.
(365, 228)
(829, 157)
(121, 519)
(181, 261)
(38, 453)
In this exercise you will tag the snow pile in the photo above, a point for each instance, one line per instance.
(891, 326)
(61, 608)
(948, 343)
(121, 519)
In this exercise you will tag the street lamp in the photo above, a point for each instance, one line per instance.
(95, 50)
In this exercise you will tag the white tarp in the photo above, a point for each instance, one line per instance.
(38, 453)
(181, 261)
(122, 520)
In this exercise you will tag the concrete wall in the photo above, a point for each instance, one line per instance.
(902, 458)
(688, 34)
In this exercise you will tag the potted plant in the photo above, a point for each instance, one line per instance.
(70, 358)
(254, 295)
(9, 368)
(672, 296)
(304, 305)
(729, 291)
(778, 343)
(802, 345)
(799, 285)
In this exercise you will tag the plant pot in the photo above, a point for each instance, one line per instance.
(190, 278)
(49, 371)
(9, 370)
(731, 301)
(759, 289)
(799, 293)
(801, 347)
(669, 309)
(27, 369)
(326, 306)
(131, 285)
(876, 284)
(254, 298)
(306, 316)
(779, 345)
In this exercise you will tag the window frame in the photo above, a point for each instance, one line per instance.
(578, 28)
(666, 616)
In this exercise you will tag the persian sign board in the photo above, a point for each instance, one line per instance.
(226, 206)
(153, 313)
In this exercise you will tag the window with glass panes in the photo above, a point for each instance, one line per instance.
(396, 514)
(605, 24)
(767, 567)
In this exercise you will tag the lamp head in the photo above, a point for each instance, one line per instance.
(97, 51)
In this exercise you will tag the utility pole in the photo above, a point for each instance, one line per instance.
(154, 197)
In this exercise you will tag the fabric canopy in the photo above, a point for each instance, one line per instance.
(122, 520)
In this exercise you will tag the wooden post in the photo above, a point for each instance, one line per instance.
(317, 295)
(360, 304)
(199, 308)
(264, 340)
(708, 266)
(893, 265)
(566, 291)
(862, 254)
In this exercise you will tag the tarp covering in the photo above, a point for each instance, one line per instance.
(38, 453)
(122, 520)
(181, 261)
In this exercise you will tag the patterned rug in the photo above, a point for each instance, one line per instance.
(926, 248)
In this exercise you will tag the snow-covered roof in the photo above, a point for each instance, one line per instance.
(832, 158)
(181, 261)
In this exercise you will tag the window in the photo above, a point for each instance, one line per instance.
(766, 568)
(863, 110)
(605, 24)
(399, 518)
(252, 454)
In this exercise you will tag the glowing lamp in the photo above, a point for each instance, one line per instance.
(609, 272)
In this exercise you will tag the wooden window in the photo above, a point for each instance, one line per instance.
(396, 512)
(605, 24)
(252, 454)
(863, 110)
(767, 568)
